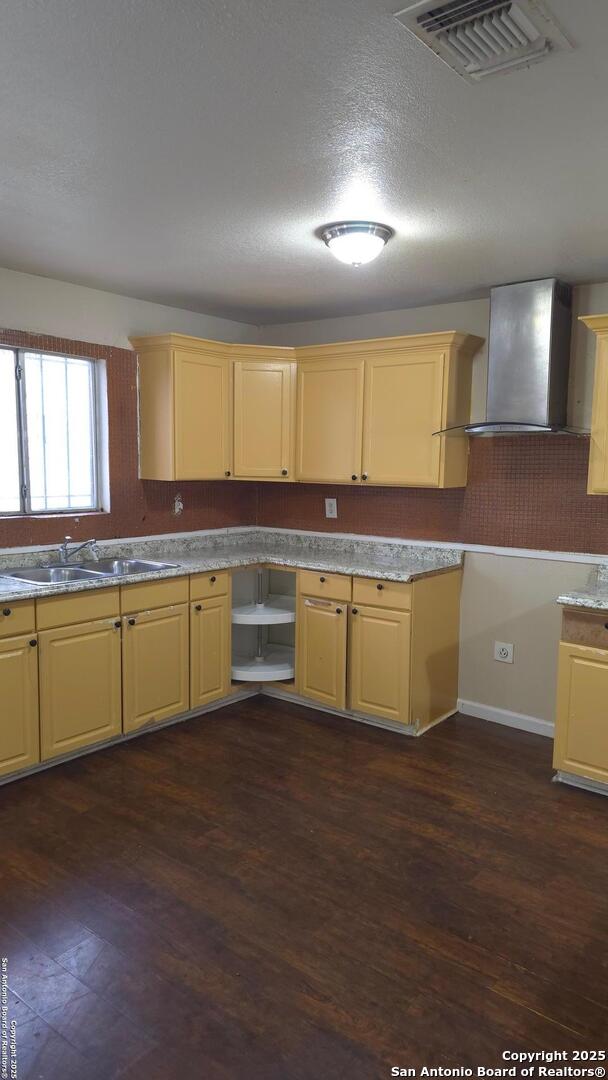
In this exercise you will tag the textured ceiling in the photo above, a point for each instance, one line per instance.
(186, 152)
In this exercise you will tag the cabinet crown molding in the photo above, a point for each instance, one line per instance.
(597, 323)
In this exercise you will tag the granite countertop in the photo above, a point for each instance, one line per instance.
(197, 553)
(594, 596)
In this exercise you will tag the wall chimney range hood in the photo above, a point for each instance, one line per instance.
(528, 359)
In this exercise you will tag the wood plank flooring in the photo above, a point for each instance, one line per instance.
(270, 892)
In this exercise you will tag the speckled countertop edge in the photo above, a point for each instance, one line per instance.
(595, 596)
(382, 560)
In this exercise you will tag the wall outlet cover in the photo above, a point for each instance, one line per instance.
(503, 651)
(331, 508)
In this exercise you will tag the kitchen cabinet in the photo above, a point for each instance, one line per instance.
(210, 653)
(155, 665)
(264, 418)
(19, 738)
(321, 650)
(581, 728)
(185, 408)
(80, 685)
(330, 418)
(379, 662)
(597, 483)
(372, 409)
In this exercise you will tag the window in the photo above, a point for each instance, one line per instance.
(49, 433)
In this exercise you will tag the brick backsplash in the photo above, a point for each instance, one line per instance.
(524, 491)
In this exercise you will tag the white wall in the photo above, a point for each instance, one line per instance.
(45, 306)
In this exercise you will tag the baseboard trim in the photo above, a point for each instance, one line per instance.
(532, 724)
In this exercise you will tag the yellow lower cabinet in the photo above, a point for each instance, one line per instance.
(19, 739)
(321, 651)
(155, 658)
(210, 622)
(581, 730)
(79, 686)
(379, 663)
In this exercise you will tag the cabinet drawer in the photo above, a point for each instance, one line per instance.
(333, 586)
(386, 594)
(212, 583)
(54, 611)
(147, 595)
(585, 628)
(17, 617)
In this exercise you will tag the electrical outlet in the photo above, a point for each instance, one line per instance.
(331, 508)
(503, 651)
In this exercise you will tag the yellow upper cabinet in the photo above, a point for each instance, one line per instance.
(264, 416)
(330, 418)
(379, 403)
(185, 408)
(598, 453)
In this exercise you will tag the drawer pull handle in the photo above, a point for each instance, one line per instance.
(6, 611)
(355, 611)
(213, 580)
(33, 643)
(131, 622)
(338, 611)
(379, 586)
(322, 579)
(117, 625)
(198, 607)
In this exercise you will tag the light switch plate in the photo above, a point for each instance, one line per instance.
(503, 651)
(331, 508)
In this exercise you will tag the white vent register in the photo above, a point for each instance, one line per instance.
(477, 38)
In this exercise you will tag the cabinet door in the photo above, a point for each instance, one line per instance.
(155, 659)
(19, 739)
(598, 450)
(403, 407)
(209, 650)
(379, 663)
(321, 662)
(330, 417)
(79, 686)
(264, 397)
(581, 730)
(202, 416)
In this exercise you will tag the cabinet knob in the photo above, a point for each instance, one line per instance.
(6, 611)
(283, 472)
(198, 607)
(605, 625)
(380, 585)
(33, 643)
(117, 624)
(321, 579)
(364, 476)
(213, 579)
(227, 473)
(354, 477)
(131, 622)
(338, 611)
(355, 611)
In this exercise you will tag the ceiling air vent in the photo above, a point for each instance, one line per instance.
(477, 38)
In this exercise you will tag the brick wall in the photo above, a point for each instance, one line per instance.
(523, 491)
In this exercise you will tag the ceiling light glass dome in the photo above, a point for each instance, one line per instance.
(356, 242)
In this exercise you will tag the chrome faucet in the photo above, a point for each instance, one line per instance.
(65, 554)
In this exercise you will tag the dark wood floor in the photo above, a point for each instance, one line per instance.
(274, 893)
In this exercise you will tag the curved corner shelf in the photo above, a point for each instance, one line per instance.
(274, 610)
(278, 662)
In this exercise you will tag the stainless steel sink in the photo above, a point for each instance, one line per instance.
(53, 575)
(124, 567)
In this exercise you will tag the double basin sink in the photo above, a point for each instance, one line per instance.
(88, 571)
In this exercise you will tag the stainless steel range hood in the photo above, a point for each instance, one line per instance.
(528, 358)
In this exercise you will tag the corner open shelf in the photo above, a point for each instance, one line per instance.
(263, 619)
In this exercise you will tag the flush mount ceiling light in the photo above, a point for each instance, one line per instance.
(356, 242)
